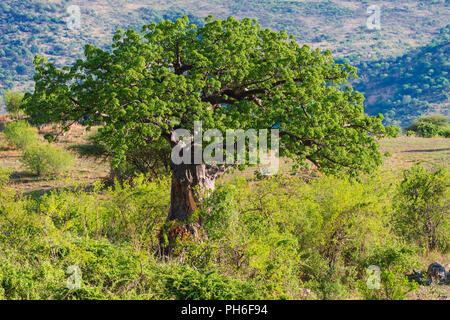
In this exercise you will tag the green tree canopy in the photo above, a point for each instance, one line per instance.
(229, 74)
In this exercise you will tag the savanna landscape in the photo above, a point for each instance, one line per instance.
(95, 206)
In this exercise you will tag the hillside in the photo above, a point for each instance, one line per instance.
(29, 27)
(405, 87)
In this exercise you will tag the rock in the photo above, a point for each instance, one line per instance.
(437, 272)
(416, 276)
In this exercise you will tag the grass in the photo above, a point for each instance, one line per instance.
(406, 151)
(85, 171)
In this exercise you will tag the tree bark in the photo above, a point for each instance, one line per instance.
(190, 183)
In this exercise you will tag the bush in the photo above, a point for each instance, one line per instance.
(422, 203)
(410, 133)
(445, 131)
(393, 263)
(394, 285)
(276, 238)
(20, 134)
(430, 126)
(13, 101)
(427, 130)
(394, 130)
(186, 283)
(47, 159)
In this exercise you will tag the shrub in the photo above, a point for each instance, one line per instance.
(186, 283)
(13, 101)
(430, 126)
(20, 134)
(410, 133)
(394, 285)
(422, 203)
(394, 130)
(47, 159)
(152, 160)
(427, 130)
(393, 263)
(445, 131)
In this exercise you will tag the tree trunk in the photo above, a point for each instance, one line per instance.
(190, 182)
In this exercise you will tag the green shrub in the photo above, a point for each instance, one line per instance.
(267, 239)
(393, 262)
(393, 256)
(47, 159)
(410, 133)
(152, 160)
(20, 134)
(186, 283)
(13, 101)
(394, 285)
(394, 130)
(445, 131)
(427, 130)
(422, 203)
(430, 126)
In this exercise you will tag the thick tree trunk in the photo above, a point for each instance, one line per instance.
(190, 182)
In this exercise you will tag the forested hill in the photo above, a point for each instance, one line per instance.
(405, 87)
(29, 27)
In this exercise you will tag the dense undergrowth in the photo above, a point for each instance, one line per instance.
(278, 238)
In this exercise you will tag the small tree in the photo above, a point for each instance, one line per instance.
(229, 74)
(13, 101)
(422, 207)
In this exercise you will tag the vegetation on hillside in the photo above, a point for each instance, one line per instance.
(411, 85)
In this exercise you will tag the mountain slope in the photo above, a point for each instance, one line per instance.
(29, 27)
(408, 86)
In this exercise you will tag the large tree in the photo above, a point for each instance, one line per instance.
(228, 74)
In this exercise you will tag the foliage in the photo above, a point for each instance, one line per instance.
(427, 130)
(430, 126)
(163, 88)
(394, 130)
(47, 159)
(13, 101)
(422, 207)
(24, 21)
(394, 285)
(152, 161)
(187, 283)
(38, 27)
(20, 134)
(416, 81)
(393, 262)
(274, 238)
